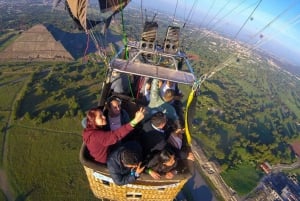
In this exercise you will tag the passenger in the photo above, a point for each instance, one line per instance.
(177, 101)
(115, 115)
(146, 89)
(162, 162)
(171, 85)
(143, 90)
(180, 64)
(120, 83)
(124, 163)
(175, 139)
(181, 149)
(158, 103)
(98, 140)
(154, 136)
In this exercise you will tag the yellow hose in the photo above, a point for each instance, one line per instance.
(190, 108)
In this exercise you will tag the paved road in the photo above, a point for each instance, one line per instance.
(212, 172)
(280, 167)
(198, 190)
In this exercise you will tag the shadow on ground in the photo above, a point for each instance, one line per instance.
(76, 43)
(196, 189)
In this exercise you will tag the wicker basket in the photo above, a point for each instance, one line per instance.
(145, 188)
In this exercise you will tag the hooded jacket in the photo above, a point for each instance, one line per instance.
(99, 141)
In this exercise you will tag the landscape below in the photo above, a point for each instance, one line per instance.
(247, 114)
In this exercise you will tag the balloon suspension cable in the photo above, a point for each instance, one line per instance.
(85, 59)
(197, 84)
(100, 51)
(125, 42)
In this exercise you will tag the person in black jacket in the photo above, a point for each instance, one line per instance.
(124, 163)
(154, 136)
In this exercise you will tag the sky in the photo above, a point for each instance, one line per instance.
(272, 25)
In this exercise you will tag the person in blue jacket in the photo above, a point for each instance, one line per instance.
(125, 163)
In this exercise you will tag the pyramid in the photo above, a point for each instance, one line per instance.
(37, 44)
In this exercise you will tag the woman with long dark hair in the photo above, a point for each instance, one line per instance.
(162, 162)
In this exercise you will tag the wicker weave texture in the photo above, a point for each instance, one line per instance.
(108, 190)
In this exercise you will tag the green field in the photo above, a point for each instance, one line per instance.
(46, 164)
(44, 136)
(242, 179)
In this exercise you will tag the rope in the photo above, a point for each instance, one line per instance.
(231, 58)
(175, 12)
(97, 40)
(205, 76)
(125, 42)
(203, 20)
(142, 14)
(272, 21)
(218, 12)
(187, 20)
(189, 17)
(291, 23)
(184, 13)
(87, 47)
(191, 102)
(228, 60)
(222, 18)
(249, 17)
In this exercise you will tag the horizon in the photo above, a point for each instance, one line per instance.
(271, 27)
(267, 27)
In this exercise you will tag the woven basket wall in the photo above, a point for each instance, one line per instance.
(104, 188)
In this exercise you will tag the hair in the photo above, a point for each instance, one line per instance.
(130, 157)
(169, 95)
(91, 118)
(165, 155)
(159, 158)
(170, 82)
(112, 98)
(158, 118)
